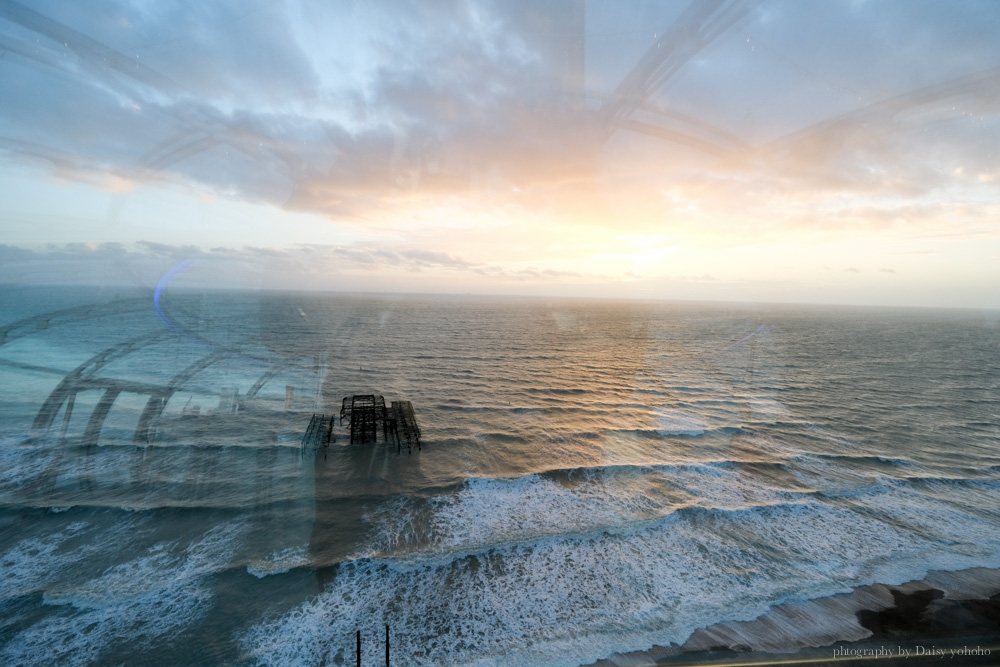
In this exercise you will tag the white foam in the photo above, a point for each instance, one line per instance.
(79, 638)
(36, 562)
(146, 598)
(488, 512)
(504, 511)
(161, 568)
(578, 592)
(495, 512)
(725, 486)
(557, 601)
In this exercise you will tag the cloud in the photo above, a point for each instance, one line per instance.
(14, 254)
(431, 258)
(168, 251)
(145, 261)
(545, 273)
(716, 121)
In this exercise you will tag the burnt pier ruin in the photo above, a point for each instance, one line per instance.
(319, 433)
(366, 412)
(366, 415)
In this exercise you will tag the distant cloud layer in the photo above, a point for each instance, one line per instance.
(145, 263)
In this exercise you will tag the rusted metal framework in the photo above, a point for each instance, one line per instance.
(365, 412)
(319, 433)
(405, 425)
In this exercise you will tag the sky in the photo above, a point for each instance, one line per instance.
(772, 151)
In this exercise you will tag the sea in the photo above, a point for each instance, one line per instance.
(592, 476)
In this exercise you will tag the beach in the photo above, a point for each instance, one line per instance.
(953, 616)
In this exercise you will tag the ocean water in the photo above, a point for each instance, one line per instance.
(595, 477)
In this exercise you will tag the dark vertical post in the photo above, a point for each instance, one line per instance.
(386, 645)
(359, 648)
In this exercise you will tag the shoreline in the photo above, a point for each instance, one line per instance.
(953, 612)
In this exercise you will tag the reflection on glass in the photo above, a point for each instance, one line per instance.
(600, 248)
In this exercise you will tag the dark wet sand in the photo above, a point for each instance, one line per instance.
(947, 618)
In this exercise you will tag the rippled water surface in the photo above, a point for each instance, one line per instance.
(594, 476)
